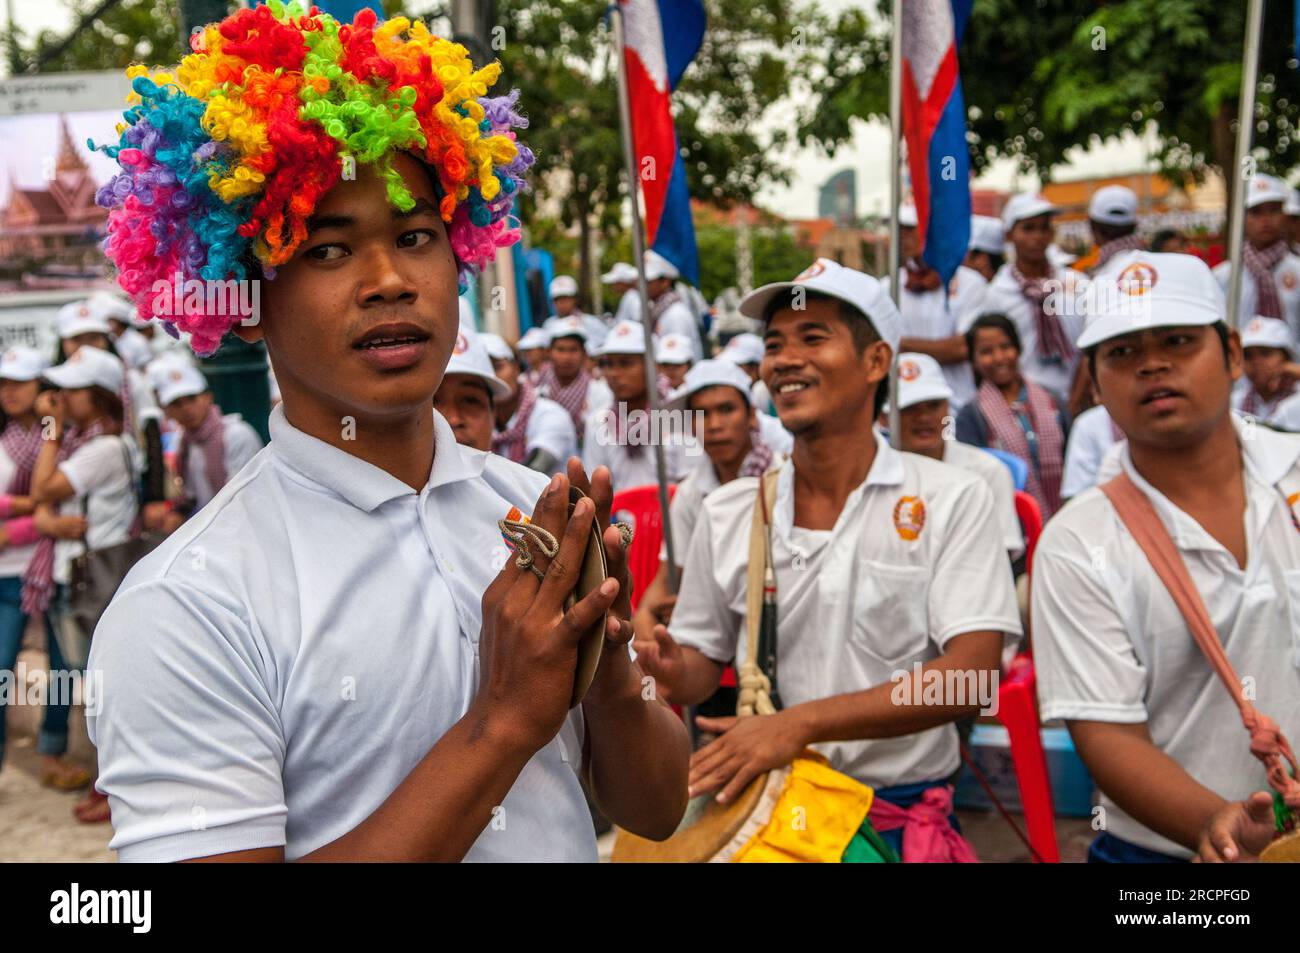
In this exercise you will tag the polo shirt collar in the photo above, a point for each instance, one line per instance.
(886, 470)
(360, 483)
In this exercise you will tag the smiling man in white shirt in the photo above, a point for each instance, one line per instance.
(1157, 729)
(885, 563)
(336, 659)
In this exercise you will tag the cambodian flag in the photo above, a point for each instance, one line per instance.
(662, 37)
(934, 125)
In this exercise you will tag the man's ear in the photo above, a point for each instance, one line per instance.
(1236, 356)
(878, 358)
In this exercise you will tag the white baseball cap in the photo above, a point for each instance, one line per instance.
(920, 378)
(1025, 205)
(986, 235)
(711, 373)
(179, 380)
(570, 327)
(1258, 332)
(22, 363)
(469, 356)
(657, 266)
(534, 338)
(626, 337)
(564, 286)
(1113, 205)
(744, 348)
(674, 349)
(1266, 188)
(496, 347)
(1150, 290)
(907, 215)
(831, 278)
(622, 273)
(1292, 206)
(80, 317)
(88, 367)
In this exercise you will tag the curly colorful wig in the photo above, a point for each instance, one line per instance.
(225, 160)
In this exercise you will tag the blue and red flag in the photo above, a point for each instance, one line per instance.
(934, 126)
(661, 38)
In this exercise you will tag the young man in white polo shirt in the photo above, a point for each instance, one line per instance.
(1266, 382)
(564, 292)
(935, 318)
(925, 426)
(528, 429)
(336, 659)
(986, 252)
(1157, 729)
(1112, 217)
(1041, 299)
(674, 355)
(1270, 279)
(469, 391)
(883, 560)
(669, 313)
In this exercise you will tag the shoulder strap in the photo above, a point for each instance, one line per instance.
(1266, 740)
(754, 696)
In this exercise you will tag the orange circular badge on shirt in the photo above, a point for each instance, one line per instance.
(909, 516)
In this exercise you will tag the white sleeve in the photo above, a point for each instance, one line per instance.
(1086, 666)
(190, 747)
(1004, 497)
(242, 444)
(701, 618)
(973, 589)
(629, 307)
(550, 429)
(969, 305)
(94, 464)
(1082, 457)
(594, 449)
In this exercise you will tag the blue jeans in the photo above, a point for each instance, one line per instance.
(1109, 849)
(13, 622)
(53, 739)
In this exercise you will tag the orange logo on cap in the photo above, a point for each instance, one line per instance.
(909, 516)
(909, 370)
(1137, 279)
(462, 344)
(1255, 324)
(624, 330)
(83, 311)
(1288, 280)
(812, 271)
(174, 376)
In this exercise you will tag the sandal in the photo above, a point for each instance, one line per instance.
(93, 809)
(65, 778)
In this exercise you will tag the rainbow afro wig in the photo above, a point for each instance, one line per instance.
(224, 160)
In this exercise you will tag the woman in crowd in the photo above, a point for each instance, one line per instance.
(1012, 413)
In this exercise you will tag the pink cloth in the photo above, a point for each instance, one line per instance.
(22, 531)
(928, 838)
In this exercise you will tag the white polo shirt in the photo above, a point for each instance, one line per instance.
(1268, 410)
(861, 601)
(102, 472)
(1003, 296)
(281, 662)
(1286, 276)
(1091, 435)
(1287, 414)
(1110, 645)
(933, 314)
(550, 429)
(678, 319)
(774, 433)
(995, 473)
(241, 442)
(634, 464)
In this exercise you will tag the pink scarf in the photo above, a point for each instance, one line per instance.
(1053, 343)
(928, 838)
(512, 443)
(759, 458)
(1260, 262)
(1005, 433)
(1112, 248)
(210, 436)
(23, 447)
(38, 579)
(571, 396)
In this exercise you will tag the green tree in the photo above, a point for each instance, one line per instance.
(1040, 78)
(131, 31)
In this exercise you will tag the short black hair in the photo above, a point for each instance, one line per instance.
(1108, 233)
(862, 330)
(1220, 328)
(1163, 237)
(996, 321)
(996, 259)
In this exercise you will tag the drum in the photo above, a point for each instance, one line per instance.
(1284, 850)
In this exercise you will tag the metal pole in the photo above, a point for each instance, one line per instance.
(638, 252)
(1245, 126)
(895, 195)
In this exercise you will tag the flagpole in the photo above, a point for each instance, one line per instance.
(895, 196)
(1245, 124)
(638, 253)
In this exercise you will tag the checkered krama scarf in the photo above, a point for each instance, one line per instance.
(1260, 262)
(1053, 342)
(1005, 433)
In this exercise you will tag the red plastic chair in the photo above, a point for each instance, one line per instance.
(639, 505)
(1018, 713)
(1031, 521)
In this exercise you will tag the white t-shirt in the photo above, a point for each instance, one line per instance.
(629, 307)
(1090, 437)
(550, 429)
(933, 314)
(1286, 276)
(13, 559)
(1287, 414)
(862, 601)
(998, 477)
(242, 444)
(1110, 644)
(102, 472)
(1003, 296)
(294, 650)
(774, 433)
(631, 461)
(678, 319)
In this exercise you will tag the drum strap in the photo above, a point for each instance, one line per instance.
(1266, 739)
(755, 695)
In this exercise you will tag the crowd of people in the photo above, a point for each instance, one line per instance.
(367, 640)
